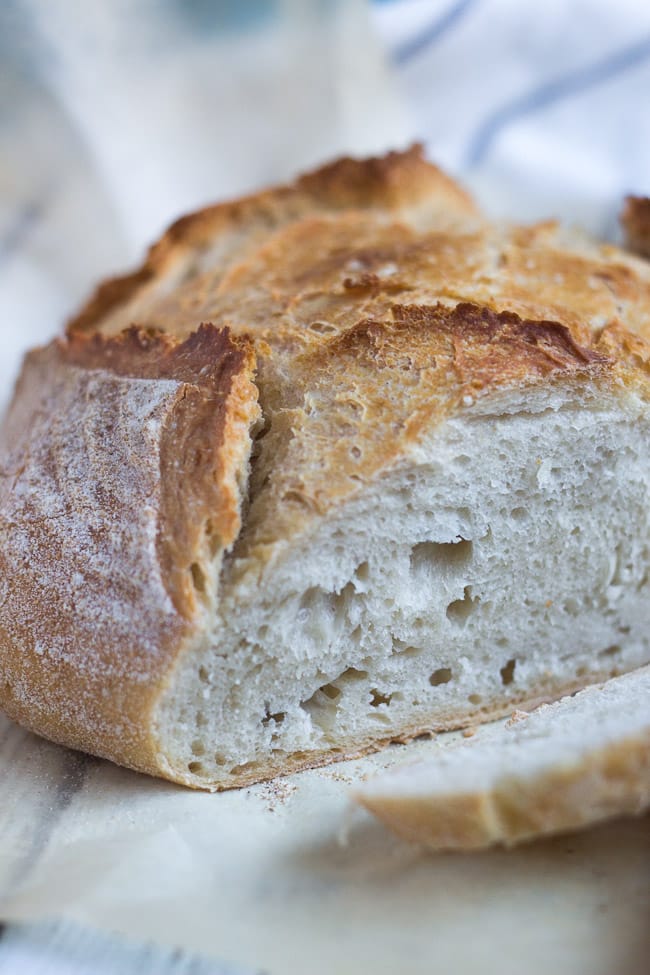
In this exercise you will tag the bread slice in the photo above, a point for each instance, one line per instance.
(565, 766)
(401, 482)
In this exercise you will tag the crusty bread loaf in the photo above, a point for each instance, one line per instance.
(567, 765)
(400, 482)
(635, 220)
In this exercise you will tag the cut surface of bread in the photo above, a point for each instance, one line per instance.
(567, 765)
(400, 482)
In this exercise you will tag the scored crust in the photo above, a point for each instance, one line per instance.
(370, 296)
(119, 481)
(321, 282)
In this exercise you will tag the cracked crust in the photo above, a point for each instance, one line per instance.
(372, 297)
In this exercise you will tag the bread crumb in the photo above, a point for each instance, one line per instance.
(277, 792)
(469, 732)
(516, 717)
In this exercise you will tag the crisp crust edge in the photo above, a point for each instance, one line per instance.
(100, 695)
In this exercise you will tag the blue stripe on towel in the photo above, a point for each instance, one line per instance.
(432, 34)
(66, 947)
(23, 222)
(553, 91)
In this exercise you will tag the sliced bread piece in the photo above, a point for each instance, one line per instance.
(401, 483)
(567, 765)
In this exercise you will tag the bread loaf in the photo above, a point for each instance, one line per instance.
(567, 765)
(340, 463)
(636, 224)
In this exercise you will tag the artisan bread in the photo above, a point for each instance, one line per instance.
(398, 482)
(567, 765)
(635, 220)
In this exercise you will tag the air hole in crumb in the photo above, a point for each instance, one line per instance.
(474, 698)
(322, 328)
(352, 673)
(195, 767)
(440, 676)
(198, 577)
(204, 675)
(198, 748)
(508, 672)
(362, 571)
(405, 649)
(355, 452)
(459, 611)
(519, 514)
(318, 601)
(326, 696)
(214, 542)
(296, 497)
(278, 717)
(378, 697)
(201, 720)
(246, 767)
(610, 651)
(427, 557)
(220, 759)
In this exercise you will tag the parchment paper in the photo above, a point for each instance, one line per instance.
(289, 878)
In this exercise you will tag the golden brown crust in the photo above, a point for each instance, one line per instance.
(389, 182)
(104, 536)
(635, 220)
(610, 781)
(394, 180)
